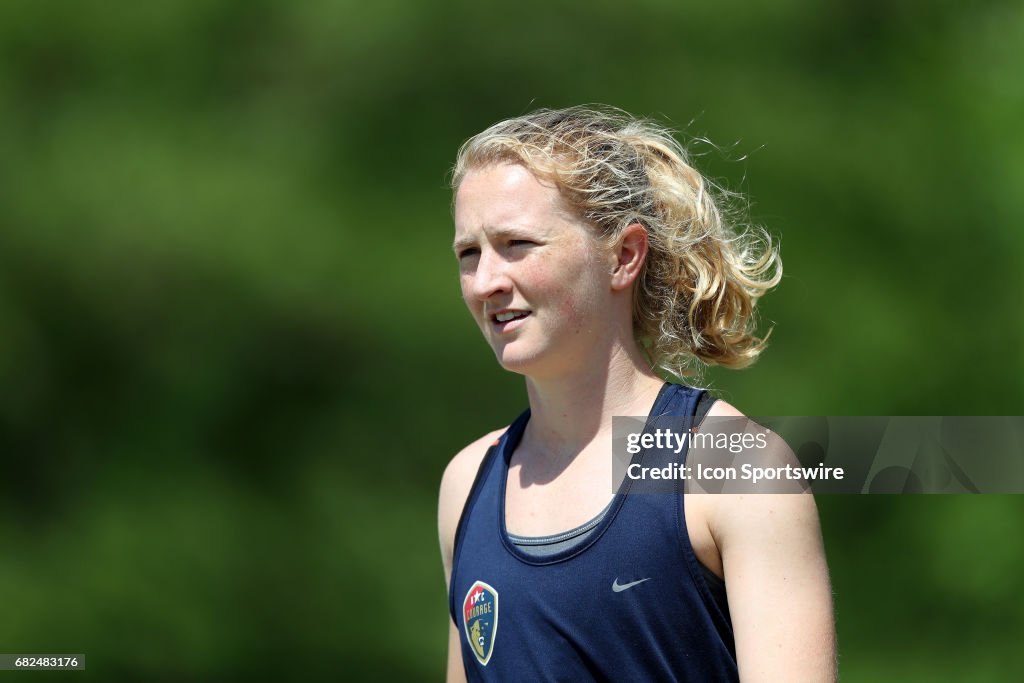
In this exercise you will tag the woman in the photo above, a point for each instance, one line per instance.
(593, 257)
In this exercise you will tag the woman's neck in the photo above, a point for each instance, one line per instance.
(568, 412)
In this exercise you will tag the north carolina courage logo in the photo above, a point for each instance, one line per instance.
(480, 617)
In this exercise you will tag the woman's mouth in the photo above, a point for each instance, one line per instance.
(508, 320)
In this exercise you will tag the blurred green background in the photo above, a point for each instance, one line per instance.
(234, 358)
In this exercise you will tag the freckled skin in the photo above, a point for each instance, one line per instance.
(560, 274)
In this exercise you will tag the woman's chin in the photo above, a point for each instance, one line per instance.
(535, 365)
(520, 363)
(517, 365)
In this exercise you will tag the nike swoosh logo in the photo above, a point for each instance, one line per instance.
(619, 587)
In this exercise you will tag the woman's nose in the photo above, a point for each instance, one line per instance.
(491, 275)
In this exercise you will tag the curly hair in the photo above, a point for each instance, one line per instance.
(705, 270)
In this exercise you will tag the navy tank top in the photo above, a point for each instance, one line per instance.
(631, 603)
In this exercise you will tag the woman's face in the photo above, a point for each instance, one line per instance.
(533, 276)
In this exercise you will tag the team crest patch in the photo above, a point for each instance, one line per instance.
(480, 617)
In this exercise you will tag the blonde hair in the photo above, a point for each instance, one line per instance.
(694, 299)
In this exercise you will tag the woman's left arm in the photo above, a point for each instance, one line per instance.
(780, 599)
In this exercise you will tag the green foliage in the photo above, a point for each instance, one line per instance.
(235, 360)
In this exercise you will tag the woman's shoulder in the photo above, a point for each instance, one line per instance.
(462, 469)
(720, 408)
(748, 507)
(458, 478)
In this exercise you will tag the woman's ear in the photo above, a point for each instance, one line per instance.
(630, 253)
